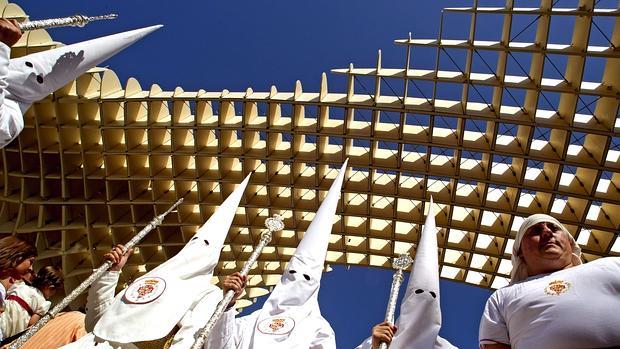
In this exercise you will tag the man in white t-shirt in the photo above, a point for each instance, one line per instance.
(553, 300)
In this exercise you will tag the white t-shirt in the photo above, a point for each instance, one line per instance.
(577, 307)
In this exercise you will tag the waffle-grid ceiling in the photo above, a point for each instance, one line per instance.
(531, 132)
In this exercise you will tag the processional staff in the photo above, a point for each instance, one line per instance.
(77, 20)
(401, 263)
(273, 224)
(92, 278)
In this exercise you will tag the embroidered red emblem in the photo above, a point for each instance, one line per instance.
(276, 325)
(145, 290)
(149, 287)
(557, 287)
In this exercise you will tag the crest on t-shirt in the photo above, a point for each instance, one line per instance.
(145, 290)
(557, 287)
(276, 325)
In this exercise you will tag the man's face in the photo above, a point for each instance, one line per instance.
(546, 248)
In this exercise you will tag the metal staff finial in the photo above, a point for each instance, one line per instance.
(273, 224)
(86, 283)
(77, 20)
(400, 264)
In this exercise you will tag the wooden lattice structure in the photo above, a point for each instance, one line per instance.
(530, 133)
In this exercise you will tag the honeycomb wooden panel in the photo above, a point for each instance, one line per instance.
(98, 160)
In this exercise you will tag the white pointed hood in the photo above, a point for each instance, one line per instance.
(420, 315)
(33, 77)
(295, 297)
(153, 304)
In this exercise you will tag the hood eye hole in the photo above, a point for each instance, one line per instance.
(432, 294)
(206, 242)
(292, 271)
(194, 238)
(29, 64)
(307, 277)
(40, 79)
(418, 291)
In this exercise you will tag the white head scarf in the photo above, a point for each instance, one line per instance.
(519, 269)
(33, 77)
(294, 300)
(186, 279)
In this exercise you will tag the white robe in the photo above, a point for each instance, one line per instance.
(11, 118)
(232, 333)
(101, 296)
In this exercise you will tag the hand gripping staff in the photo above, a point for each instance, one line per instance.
(86, 283)
(273, 224)
(77, 20)
(401, 263)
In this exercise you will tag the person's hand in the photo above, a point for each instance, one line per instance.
(382, 333)
(234, 282)
(117, 257)
(9, 31)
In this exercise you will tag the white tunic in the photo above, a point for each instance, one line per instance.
(230, 333)
(571, 308)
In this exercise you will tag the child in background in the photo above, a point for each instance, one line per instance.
(25, 304)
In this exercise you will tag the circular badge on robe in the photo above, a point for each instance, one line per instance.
(276, 325)
(145, 290)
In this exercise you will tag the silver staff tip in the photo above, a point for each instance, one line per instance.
(102, 17)
(402, 262)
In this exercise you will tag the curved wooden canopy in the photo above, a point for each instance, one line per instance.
(98, 159)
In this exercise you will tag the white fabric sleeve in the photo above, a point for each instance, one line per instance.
(325, 337)
(493, 327)
(195, 319)
(100, 297)
(224, 333)
(366, 344)
(40, 304)
(442, 343)
(11, 118)
(2, 303)
(5, 54)
(5, 321)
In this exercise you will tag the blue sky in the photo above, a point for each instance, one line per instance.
(238, 44)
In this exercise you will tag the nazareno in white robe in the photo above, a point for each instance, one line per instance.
(291, 317)
(420, 315)
(187, 300)
(303, 326)
(30, 78)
